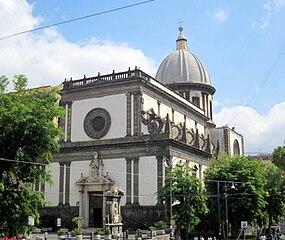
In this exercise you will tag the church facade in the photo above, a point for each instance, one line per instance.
(121, 128)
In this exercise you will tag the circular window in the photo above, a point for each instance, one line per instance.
(97, 123)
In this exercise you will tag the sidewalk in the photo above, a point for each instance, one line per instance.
(53, 236)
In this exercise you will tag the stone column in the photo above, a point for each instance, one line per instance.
(43, 185)
(200, 171)
(129, 114)
(136, 180)
(61, 182)
(207, 104)
(137, 112)
(172, 118)
(61, 121)
(227, 141)
(69, 114)
(128, 181)
(204, 102)
(67, 183)
(159, 174)
(81, 206)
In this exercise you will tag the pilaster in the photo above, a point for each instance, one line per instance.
(67, 183)
(159, 174)
(129, 114)
(128, 181)
(136, 180)
(137, 112)
(61, 182)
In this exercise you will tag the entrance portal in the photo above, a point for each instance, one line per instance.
(96, 209)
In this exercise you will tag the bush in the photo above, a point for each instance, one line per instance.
(78, 231)
(160, 225)
(60, 232)
(107, 231)
(97, 231)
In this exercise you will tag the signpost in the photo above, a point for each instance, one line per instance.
(31, 221)
(243, 226)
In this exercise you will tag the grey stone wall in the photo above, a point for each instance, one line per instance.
(49, 216)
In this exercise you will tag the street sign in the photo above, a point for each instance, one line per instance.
(31, 221)
(58, 222)
(243, 224)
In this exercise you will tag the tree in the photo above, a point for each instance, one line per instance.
(246, 201)
(188, 198)
(275, 186)
(4, 81)
(28, 136)
(279, 157)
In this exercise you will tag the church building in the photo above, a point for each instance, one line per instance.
(119, 131)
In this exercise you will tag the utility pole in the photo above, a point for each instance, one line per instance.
(219, 209)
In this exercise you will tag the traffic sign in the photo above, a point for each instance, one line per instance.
(243, 224)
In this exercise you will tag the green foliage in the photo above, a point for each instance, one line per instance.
(78, 229)
(60, 232)
(188, 197)
(4, 81)
(107, 231)
(97, 231)
(20, 82)
(160, 225)
(247, 200)
(220, 158)
(279, 157)
(276, 199)
(28, 136)
(152, 228)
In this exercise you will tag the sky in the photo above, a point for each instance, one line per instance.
(240, 42)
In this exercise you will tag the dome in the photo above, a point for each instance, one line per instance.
(182, 66)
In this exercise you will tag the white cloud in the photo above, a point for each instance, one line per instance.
(46, 58)
(218, 15)
(271, 8)
(280, 3)
(261, 132)
(264, 24)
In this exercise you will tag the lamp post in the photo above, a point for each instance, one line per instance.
(219, 209)
(169, 164)
(225, 232)
(170, 198)
(227, 217)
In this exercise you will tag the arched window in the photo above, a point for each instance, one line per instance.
(236, 148)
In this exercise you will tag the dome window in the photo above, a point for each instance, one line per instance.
(196, 101)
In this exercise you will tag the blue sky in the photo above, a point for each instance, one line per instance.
(238, 41)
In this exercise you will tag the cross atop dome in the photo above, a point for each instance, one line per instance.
(181, 42)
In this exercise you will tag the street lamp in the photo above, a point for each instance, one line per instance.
(219, 204)
(227, 217)
(226, 205)
(169, 164)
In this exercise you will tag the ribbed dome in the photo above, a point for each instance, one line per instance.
(182, 66)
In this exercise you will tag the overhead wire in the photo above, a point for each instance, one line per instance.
(75, 19)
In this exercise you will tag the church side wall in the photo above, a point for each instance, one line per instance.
(116, 169)
(147, 180)
(164, 110)
(174, 116)
(235, 136)
(52, 191)
(77, 168)
(178, 118)
(190, 124)
(218, 133)
(115, 105)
